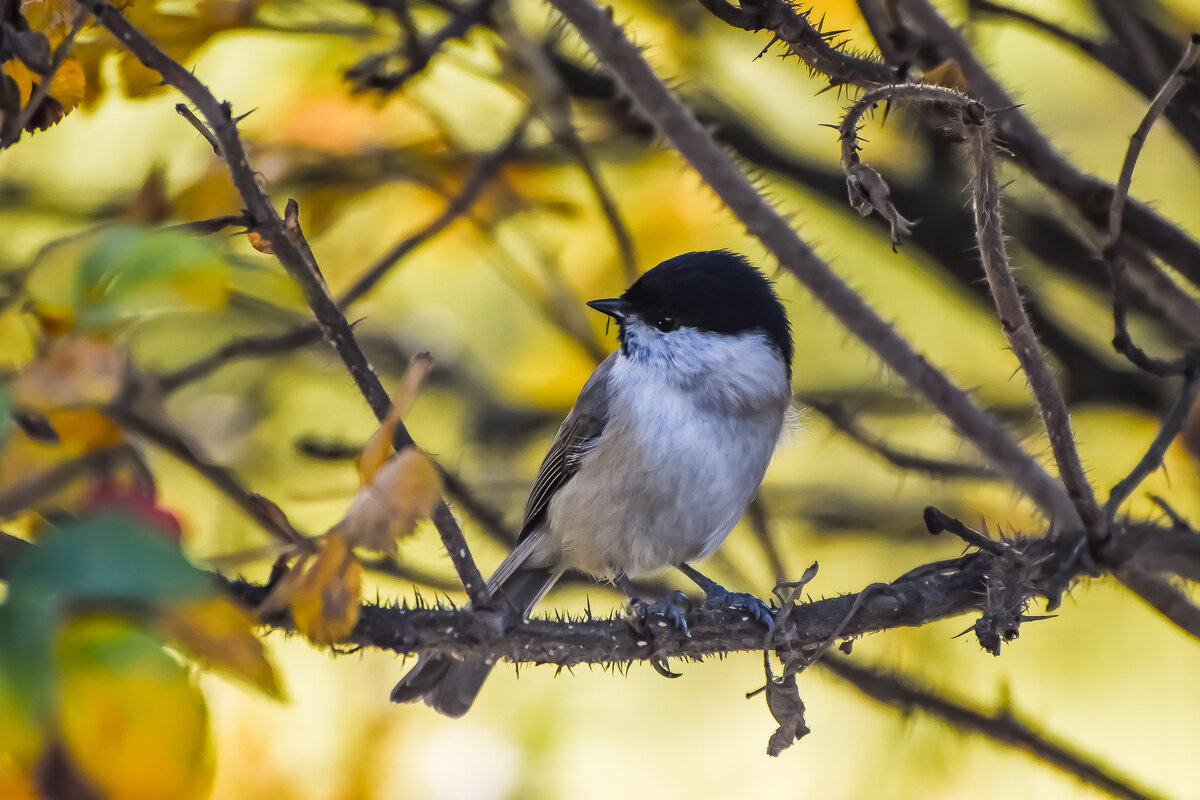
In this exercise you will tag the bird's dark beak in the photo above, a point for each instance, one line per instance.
(615, 307)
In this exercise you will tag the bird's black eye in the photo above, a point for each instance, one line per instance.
(665, 323)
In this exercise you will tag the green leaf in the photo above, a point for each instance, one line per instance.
(136, 270)
(110, 563)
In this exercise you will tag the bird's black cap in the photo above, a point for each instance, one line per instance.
(716, 291)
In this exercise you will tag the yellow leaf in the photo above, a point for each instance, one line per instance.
(83, 430)
(68, 84)
(73, 372)
(401, 493)
(326, 596)
(79, 432)
(375, 453)
(21, 739)
(130, 719)
(218, 634)
(259, 243)
(23, 75)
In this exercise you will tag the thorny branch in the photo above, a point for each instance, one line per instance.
(998, 581)
(847, 423)
(293, 253)
(1026, 144)
(681, 129)
(927, 593)
(1122, 341)
(1097, 525)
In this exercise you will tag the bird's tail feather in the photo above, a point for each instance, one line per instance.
(449, 685)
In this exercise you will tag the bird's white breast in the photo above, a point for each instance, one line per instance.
(692, 423)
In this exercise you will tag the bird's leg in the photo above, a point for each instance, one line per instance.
(717, 596)
(666, 612)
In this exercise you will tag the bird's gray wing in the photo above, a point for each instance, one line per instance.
(577, 435)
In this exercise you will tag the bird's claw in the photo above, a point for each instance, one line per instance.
(666, 612)
(750, 605)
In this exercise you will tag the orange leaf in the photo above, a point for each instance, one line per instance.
(259, 243)
(68, 84)
(73, 372)
(218, 634)
(377, 449)
(325, 599)
(401, 493)
(51, 17)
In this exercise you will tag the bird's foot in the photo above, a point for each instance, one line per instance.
(666, 613)
(748, 604)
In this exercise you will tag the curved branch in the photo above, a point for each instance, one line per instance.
(1026, 144)
(719, 171)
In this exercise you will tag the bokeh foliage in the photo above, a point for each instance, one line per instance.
(97, 285)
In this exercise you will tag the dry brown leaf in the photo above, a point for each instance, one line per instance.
(280, 596)
(218, 634)
(325, 598)
(72, 373)
(401, 493)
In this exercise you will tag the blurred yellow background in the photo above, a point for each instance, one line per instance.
(1107, 676)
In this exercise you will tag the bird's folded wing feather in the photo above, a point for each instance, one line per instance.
(578, 433)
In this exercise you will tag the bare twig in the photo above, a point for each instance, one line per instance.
(1057, 31)
(993, 253)
(682, 130)
(182, 110)
(555, 105)
(937, 521)
(1038, 156)
(480, 176)
(848, 424)
(1158, 105)
(1160, 595)
(913, 599)
(1000, 726)
(760, 523)
(419, 51)
(160, 434)
(922, 595)
(1172, 424)
(1122, 341)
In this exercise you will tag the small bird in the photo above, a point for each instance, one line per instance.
(658, 459)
